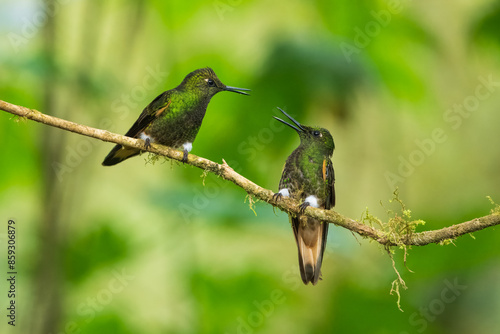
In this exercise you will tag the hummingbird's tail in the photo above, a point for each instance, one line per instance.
(118, 154)
(310, 235)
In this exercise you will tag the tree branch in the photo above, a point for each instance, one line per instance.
(286, 204)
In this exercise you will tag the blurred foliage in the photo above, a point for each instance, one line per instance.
(487, 25)
(193, 257)
(97, 249)
(107, 323)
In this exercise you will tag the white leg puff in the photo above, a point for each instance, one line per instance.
(145, 137)
(284, 192)
(312, 200)
(187, 146)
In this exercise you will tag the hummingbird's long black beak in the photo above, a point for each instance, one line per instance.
(237, 90)
(297, 128)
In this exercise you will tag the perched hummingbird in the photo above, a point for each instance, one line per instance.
(174, 117)
(308, 175)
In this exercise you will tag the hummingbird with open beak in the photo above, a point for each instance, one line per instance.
(175, 116)
(308, 176)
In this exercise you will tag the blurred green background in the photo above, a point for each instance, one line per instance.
(409, 90)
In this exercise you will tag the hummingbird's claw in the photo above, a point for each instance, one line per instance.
(277, 196)
(303, 207)
(185, 156)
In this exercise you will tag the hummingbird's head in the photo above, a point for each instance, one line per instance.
(206, 82)
(314, 137)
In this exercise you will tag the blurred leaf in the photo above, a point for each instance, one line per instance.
(298, 72)
(488, 25)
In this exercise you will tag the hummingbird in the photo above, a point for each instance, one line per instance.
(308, 176)
(174, 117)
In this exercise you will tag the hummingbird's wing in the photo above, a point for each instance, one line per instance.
(153, 110)
(157, 107)
(329, 175)
(284, 178)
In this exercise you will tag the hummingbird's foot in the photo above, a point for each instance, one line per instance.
(309, 201)
(185, 156)
(147, 140)
(280, 194)
(187, 147)
(147, 143)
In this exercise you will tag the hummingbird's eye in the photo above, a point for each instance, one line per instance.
(210, 82)
(316, 133)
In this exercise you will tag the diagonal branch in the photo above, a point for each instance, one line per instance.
(286, 204)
